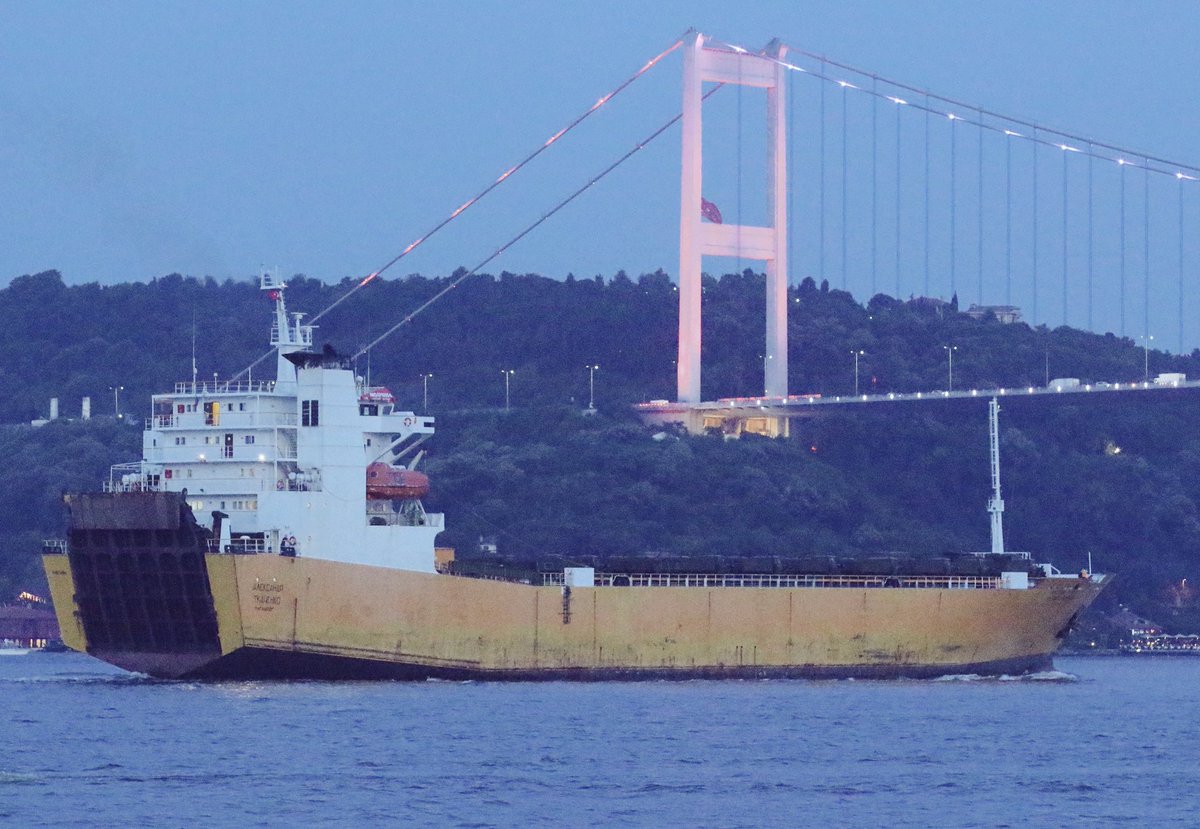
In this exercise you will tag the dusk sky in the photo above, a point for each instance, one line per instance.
(140, 139)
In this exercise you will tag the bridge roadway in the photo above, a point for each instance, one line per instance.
(770, 415)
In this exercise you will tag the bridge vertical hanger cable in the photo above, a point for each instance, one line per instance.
(1167, 166)
(821, 219)
(1008, 219)
(898, 108)
(1121, 233)
(874, 185)
(845, 232)
(739, 167)
(791, 175)
(953, 207)
(1091, 248)
(1034, 215)
(1146, 249)
(1065, 213)
(1036, 134)
(926, 222)
(979, 223)
(1180, 181)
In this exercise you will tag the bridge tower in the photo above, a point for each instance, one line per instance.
(697, 239)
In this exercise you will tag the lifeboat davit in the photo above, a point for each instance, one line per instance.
(387, 483)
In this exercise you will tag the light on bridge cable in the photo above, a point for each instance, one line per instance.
(896, 100)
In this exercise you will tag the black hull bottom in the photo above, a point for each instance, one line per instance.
(263, 663)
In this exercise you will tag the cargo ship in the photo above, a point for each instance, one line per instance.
(275, 529)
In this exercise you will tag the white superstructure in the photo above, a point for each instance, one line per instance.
(285, 461)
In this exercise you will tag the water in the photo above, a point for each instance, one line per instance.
(1104, 742)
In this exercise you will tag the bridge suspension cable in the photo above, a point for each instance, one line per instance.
(1120, 155)
(1051, 261)
(529, 228)
(503, 177)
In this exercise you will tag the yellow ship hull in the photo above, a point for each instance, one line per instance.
(296, 617)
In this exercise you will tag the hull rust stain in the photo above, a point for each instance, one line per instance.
(280, 616)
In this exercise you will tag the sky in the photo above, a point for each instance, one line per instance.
(139, 139)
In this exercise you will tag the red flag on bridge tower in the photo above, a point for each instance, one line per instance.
(709, 211)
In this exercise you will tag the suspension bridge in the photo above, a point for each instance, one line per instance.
(874, 185)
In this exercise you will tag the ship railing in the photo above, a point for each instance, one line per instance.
(306, 334)
(135, 476)
(225, 387)
(310, 483)
(236, 419)
(409, 514)
(238, 546)
(604, 579)
(54, 546)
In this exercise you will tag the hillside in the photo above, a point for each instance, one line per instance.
(541, 478)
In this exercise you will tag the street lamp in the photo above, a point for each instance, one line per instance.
(425, 393)
(592, 386)
(950, 349)
(858, 353)
(116, 390)
(1146, 340)
(508, 373)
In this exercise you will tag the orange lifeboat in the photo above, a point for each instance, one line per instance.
(387, 483)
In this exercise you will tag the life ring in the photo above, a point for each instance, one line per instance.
(408, 421)
(290, 541)
(279, 485)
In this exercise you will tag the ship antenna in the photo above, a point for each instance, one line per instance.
(995, 503)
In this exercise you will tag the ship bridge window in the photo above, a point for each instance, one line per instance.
(310, 413)
(180, 441)
(249, 439)
(368, 409)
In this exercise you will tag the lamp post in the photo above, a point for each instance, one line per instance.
(1146, 340)
(592, 386)
(857, 353)
(950, 349)
(116, 390)
(508, 373)
(425, 392)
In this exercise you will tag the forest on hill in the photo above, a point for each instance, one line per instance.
(1115, 475)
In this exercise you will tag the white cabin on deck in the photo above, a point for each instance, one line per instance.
(286, 461)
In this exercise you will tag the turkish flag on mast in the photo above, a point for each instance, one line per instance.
(709, 211)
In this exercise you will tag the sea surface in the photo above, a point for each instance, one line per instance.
(1099, 742)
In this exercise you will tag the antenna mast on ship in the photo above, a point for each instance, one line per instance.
(996, 503)
(286, 336)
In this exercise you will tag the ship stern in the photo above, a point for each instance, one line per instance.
(133, 586)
